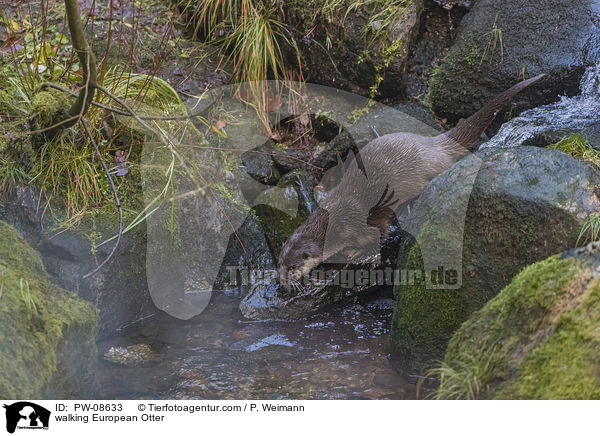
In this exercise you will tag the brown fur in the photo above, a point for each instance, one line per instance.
(395, 168)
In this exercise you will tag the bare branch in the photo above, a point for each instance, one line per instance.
(114, 189)
(87, 61)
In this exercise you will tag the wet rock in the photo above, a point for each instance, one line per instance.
(198, 243)
(276, 223)
(287, 158)
(133, 355)
(592, 134)
(499, 42)
(538, 338)
(449, 4)
(269, 300)
(260, 166)
(256, 255)
(337, 149)
(485, 218)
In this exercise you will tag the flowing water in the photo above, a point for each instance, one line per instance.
(565, 116)
(339, 354)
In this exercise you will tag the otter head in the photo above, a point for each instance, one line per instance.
(303, 251)
(308, 246)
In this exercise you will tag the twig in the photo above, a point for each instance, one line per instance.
(114, 189)
(54, 126)
(165, 141)
(135, 115)
(125, 113)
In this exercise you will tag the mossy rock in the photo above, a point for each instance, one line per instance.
(498, 42)
(47, 335)
(356, 45)
(48, 108)
(539, 338)
(524, 205)
(118, 289)
(277, 225)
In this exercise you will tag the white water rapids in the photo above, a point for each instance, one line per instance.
(569, 114)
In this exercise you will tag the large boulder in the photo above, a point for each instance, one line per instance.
(118, 289)
(498, 42)
(356, 46)
(47, 335)
(538, 339)
(486, 218)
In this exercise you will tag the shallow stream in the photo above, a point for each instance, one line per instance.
(338, 354)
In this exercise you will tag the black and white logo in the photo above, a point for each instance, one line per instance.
(26, 415)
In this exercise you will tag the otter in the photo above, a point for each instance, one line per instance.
(392, 170)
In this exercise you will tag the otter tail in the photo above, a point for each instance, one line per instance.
(468, 131)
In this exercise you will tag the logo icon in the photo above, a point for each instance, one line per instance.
(26, 415)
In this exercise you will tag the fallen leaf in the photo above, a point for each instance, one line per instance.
(304, 119)
(276, 136)
(120, 160)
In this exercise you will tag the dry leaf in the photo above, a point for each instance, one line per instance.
(276, 136)
(304, 119)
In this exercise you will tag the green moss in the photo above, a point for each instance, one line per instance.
(577, 146)
(419, 333)
(31, 339)
(434, 82)
(543, 332)
(466, 53)
(7, 105)
(472, 56)
(235, 201)
(48, 108)
(497, 243)
(563, 367)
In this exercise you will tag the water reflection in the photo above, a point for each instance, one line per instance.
(340, 354)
